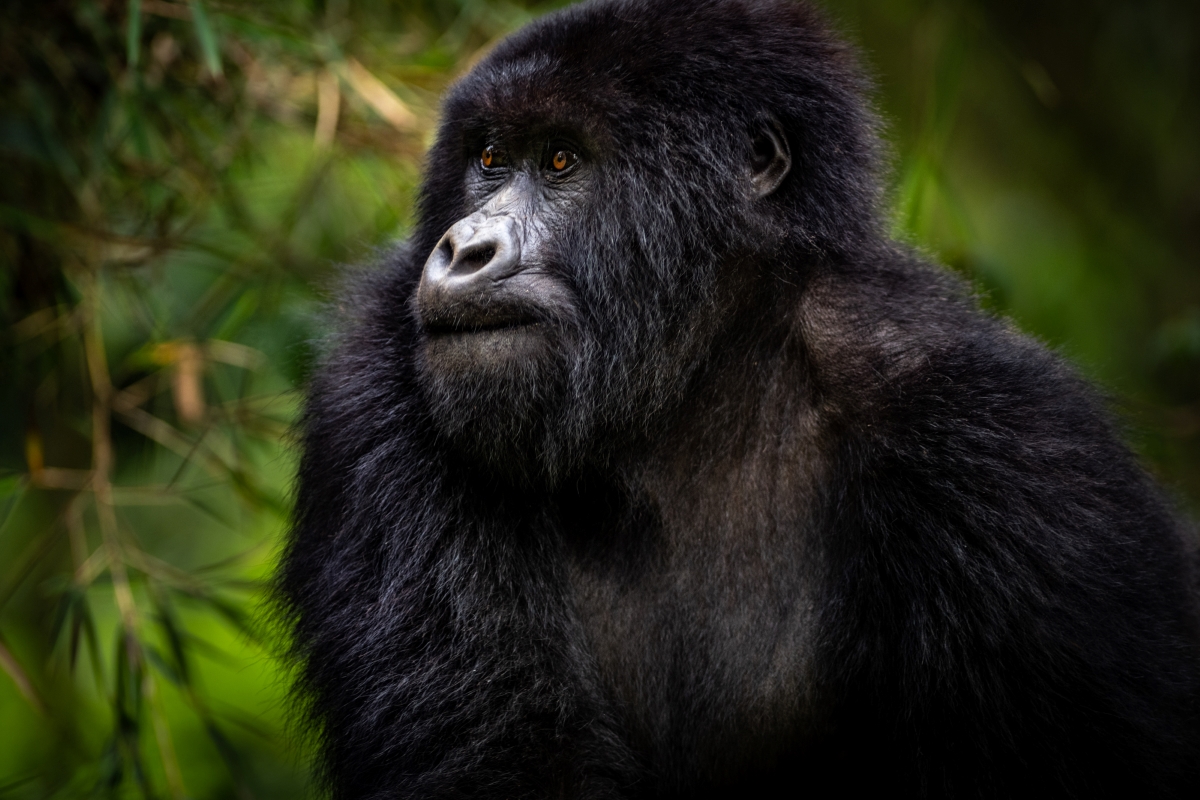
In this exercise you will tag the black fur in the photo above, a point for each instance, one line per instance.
(778, 511)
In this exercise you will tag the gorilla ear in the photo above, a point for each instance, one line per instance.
(771, 160)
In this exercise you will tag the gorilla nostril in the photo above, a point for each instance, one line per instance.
(473, 259)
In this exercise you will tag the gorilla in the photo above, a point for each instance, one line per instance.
(649, 466)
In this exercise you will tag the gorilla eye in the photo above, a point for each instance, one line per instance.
(488, 156)
(563, 159)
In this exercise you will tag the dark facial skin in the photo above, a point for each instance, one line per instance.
(485, 295)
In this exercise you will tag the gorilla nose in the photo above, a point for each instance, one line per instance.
(460, 287)
(475, 250)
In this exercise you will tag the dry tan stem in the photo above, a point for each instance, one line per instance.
(9, 664)
(328, 102)
(102, 461)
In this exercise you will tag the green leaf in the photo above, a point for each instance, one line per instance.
(173, 633)
(206, 37)
(133, 34)
(62, 614)
(12, 488)
(160, 663)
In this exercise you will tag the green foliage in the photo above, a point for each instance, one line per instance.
(180, 180)
(1052, 157)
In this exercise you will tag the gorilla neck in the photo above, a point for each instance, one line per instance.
(743, 455)
(733, 406)
(702, 547)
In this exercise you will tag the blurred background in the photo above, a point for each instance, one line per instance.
(179, 182)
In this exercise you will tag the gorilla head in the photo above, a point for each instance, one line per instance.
(606, 197)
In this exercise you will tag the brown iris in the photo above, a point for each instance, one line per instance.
(489, 155)
(560, 160)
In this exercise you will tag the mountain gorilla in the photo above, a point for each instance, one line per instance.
(650, 467)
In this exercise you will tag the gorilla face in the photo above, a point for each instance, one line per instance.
(578, 259)
(489, 297)
(496, 302)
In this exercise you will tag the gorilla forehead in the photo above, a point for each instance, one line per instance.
(611, 54)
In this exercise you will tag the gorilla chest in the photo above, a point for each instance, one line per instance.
(700, 617)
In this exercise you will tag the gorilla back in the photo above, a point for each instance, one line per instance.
(650, 467)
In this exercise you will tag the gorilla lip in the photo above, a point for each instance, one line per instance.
(469, 325)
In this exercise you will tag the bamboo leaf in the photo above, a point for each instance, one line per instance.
(133, 33)
(92, 639)
(174, 634)
(10, 665)
(164, 666)
(62, 613)
(382, 99)
(25, 564)
(206, 37)
(12, 489)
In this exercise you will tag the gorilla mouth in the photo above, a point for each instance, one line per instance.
(460, 324)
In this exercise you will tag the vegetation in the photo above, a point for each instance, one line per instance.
(180, 180)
